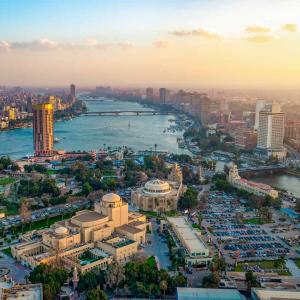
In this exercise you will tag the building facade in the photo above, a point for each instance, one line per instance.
(159, 195)
(91, 238)
(245, 139)
(43, 129)
(258, 189)
(271, 132)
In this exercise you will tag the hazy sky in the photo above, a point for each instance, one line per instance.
(184, 43)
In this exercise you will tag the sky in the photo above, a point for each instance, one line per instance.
(140, 43)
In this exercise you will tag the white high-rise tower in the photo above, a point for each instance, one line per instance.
(271, 131)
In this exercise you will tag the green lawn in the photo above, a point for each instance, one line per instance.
(151, 261)
(108, 172)
(264, 264)
(7, 251)
(41, 224)
(297, 262)
(196, 226)
(256, 221)
(5, 181)
(148, 213)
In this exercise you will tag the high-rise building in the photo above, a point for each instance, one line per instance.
(271, 132)
(43, 129)
(163, 95)
(72, 90)
(245, 139)
(149, 94)
(260, 104)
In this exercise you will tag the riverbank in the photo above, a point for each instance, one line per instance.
(97, 132)
(74, 111)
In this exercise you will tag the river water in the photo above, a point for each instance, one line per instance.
(287, 182)
(93, 132)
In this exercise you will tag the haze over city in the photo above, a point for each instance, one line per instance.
(149, 149)
(192, 44)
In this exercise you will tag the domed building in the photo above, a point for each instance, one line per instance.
(159, 195)
(91, 238)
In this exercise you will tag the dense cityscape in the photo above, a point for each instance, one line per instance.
(148, 191)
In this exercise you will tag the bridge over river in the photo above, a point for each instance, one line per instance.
(126, 113)
(263, 169)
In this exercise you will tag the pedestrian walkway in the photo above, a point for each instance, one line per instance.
(293, 268)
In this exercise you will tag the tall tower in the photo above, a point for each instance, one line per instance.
(72, 90)
(75, 278)
(149, 94)
(43, 129)
(176, 174)
(260, 104)
(163, 95)
(271, 131)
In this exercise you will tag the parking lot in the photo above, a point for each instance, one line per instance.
(235, 239)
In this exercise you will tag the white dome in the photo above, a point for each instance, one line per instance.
(111, 198)
(61, 230)
(157, 186)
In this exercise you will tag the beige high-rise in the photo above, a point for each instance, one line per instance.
(43, 129)
(271, 131)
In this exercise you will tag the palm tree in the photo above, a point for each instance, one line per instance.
(163, 285)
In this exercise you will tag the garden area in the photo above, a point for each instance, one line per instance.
(272, 266)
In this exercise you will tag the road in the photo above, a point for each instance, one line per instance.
(43, 213)
(157, 247)
(16, 271)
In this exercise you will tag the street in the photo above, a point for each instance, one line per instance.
(158, 247)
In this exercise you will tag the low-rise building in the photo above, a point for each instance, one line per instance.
(268, 294)
(11, 291)
(159, 195)
(89, 239)
(245, 139)
(258, 189)
(206, 294)
(194, 249)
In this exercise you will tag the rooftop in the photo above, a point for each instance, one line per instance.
(130, 229)
(272, 294)
(88, 216)
(208, 294)
(111, 198)
(188, 235)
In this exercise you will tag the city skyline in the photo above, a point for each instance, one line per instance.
(192, 44)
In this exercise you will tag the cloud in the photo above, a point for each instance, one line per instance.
(4, 45)
(257, 29)
(41, 44)
(290, 27)
(47, 44)
(259, 38)
(125, 45)
(196, 32)
(160, 44)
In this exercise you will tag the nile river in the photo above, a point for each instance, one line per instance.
(282, 181)
(93, 132)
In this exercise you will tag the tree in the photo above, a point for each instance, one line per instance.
(96, 294)
(24, 211)
(265, 214)
(51, 277)
(163, 285)
(115, 275)
(239, 217)
(250, 279)
(297, 207)
(86, 188)
(189, 199)
(211, 281)
(218, 264)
